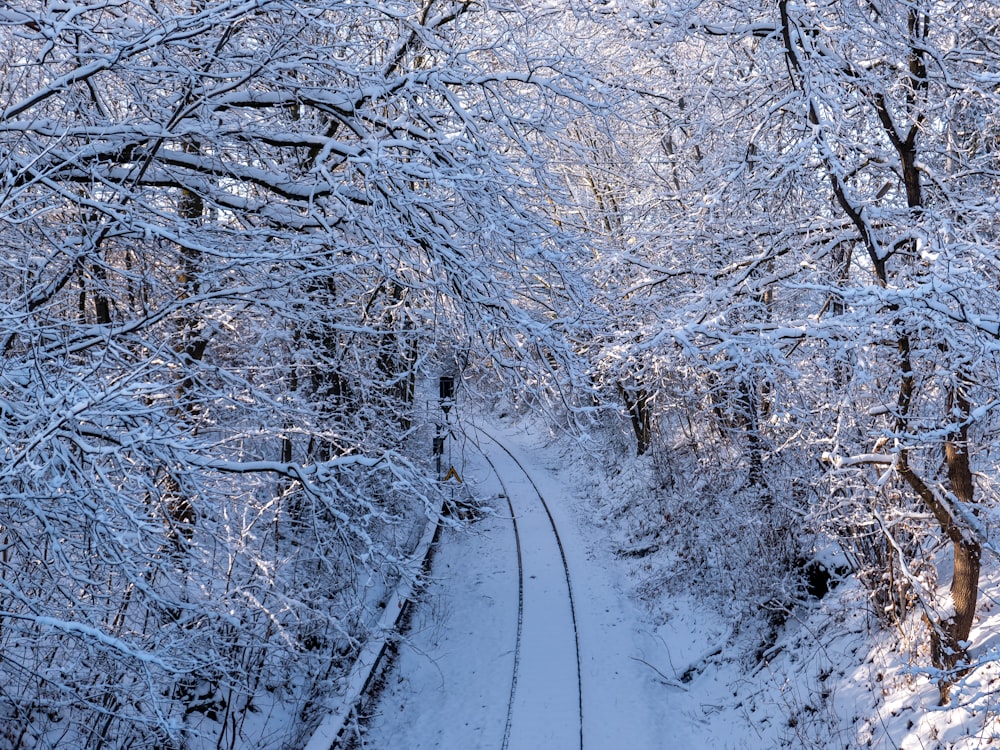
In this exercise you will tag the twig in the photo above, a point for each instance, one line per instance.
(667, 680)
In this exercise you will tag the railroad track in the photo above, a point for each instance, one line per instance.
(520, 595)
(545, 701)
(515, 513)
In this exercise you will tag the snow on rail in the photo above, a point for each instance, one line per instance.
(365, 667)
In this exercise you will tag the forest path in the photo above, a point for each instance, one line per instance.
(464, 680)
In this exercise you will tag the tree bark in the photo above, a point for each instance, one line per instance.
(967, 550)
(637, 403)
(949, 637)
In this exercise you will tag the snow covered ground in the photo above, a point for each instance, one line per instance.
(451, 685)
(664, 674)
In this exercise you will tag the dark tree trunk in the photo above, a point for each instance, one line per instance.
(949, 635)
(967, 550)
(638, 403)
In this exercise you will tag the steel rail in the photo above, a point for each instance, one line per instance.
(565, 562)
(520, 598)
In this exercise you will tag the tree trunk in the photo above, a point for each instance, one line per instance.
(949, 636)
(965, 583)
(637, 403)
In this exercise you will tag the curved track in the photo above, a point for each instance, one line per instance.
(521, 566)
(520, 602)
(470, 674)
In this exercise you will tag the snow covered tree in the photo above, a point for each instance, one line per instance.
(230, 232)
(902, 76)
(833, 201)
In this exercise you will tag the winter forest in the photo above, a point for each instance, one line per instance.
(752, 247)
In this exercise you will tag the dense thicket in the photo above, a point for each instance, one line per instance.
(231, 235)
(235, 235)
(824, 270)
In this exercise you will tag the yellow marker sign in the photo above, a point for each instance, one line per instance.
(452, 473)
